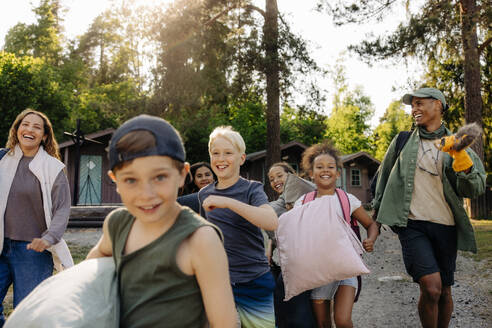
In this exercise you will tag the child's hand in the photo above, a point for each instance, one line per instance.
(212, 202)
(368, 244)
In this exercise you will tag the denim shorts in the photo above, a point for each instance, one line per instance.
(327, 292)
(428, 248)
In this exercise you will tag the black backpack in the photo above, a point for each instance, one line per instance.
(3, 151)
(401, 140)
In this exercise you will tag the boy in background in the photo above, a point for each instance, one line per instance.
(239, 207)
(170, 262)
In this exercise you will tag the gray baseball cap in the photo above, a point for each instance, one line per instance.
(167, 140)
(425, 93)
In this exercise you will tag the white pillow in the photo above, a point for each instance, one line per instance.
(295, 187)
(85, 295)
(316, 247)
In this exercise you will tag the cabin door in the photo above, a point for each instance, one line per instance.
(90, 180)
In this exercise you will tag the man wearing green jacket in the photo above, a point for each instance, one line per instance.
(419, 193)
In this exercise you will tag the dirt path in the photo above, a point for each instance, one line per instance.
(385, 302)
(389, 297)
(82, 236)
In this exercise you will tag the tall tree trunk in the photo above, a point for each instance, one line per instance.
(270, 42)
(473, 98)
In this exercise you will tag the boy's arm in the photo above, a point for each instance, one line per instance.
(103, 247)
(370, 225)
(210, 267)
(262, 216)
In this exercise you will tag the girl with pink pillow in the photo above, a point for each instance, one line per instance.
(321, 162)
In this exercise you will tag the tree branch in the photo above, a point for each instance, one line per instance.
(484, 45)
(222, 13)
(259, 10)
(225, 11)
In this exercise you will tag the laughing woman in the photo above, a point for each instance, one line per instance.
(34, 206)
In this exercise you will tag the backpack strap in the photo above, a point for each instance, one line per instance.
(345, 204)
(3, 152)
(401, 141)
(309, 197)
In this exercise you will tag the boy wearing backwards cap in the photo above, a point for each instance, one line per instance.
(240, 208)
(170, 262)
(419, 193)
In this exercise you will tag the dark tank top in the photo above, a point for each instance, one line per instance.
(153, 291)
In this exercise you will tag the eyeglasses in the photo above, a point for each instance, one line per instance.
(425, 170)
(434, 159)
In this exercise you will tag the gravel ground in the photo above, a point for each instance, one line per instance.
(83, 236)
(389, 297)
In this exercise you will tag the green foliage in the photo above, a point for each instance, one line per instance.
(195, 129)
(347, 124)
(30, 82)
(18, 40)
(104, 67)
(212, 53)
(42, 39)
(106, 106)
(445, 72)
(211, 65)
(117, 45)
(247, 116)
(199, 58)
(304, 125)
(393, 121)
(347, 127)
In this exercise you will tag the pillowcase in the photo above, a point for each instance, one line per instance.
(316, 247)
(85, 295)
(295, 187)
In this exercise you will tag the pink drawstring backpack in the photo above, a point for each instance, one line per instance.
(314, 246)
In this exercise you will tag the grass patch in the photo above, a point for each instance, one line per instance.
(78, 252)
(483, 235)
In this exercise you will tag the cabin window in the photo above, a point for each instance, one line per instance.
(355, 177)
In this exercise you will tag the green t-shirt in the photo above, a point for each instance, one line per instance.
(153, 291)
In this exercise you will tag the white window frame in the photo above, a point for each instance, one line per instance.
(359, 174)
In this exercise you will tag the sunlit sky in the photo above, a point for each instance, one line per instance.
(327, 42)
